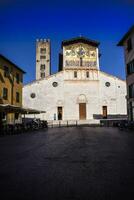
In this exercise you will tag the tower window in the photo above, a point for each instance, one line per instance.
(75, 74)
(42, 75)
(42, 67)
(42, 57)
(42, 50)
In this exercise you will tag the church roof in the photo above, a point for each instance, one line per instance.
(126, 36)
(80, 39)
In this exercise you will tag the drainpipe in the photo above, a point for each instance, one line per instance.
(12, 94)
(12, 89)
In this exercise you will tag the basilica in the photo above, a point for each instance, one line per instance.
(79, 90)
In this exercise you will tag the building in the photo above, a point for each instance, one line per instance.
(79, 91)
(128, 43)
(11, 82)
(43, 58)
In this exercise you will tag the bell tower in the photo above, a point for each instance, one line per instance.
(43, 58)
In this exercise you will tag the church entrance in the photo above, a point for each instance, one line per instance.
(59, 114)
(82, 111)
(104, 112)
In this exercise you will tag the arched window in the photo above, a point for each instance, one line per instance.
(81, 62)
(42, 74)
(87, 74)
(75, 74)
(81, 99)
(42, 66)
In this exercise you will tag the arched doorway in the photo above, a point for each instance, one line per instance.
(60, 104)
(82, 106)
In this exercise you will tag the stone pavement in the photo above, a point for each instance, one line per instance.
(74, 163)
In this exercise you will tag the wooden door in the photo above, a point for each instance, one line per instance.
(104, 112)
(82, 111)
(59, 113)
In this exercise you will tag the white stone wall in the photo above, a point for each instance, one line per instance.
(114, 96)
(66, 94)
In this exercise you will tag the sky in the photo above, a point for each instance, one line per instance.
(24, 21)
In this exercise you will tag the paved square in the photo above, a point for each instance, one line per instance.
(68, 163)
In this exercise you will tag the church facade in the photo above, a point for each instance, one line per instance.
(80, 90)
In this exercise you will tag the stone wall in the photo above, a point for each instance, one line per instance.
(67, 91)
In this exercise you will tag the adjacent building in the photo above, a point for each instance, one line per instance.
(43, 58)
(80, 90)
(128, 43)
(11, 82)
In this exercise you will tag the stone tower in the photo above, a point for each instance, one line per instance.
(43, 58)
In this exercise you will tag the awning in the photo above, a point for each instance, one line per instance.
(8, 108)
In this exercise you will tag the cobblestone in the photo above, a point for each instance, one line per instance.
(68, 163)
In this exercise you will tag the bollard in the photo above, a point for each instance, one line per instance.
(76, 122)
(67, 123)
